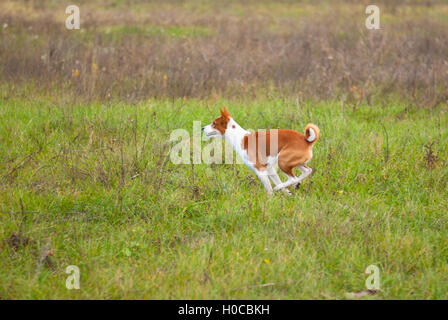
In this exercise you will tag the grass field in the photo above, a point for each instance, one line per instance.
(91, 185)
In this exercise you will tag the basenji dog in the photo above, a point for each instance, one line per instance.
(262, 150)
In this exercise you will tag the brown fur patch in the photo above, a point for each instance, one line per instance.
(292, 148)
(221, 122)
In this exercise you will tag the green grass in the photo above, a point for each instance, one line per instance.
(118, 32)
(97, 188)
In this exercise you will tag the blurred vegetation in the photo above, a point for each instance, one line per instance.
(139, 49)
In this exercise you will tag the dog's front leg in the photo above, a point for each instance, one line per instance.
(263, 176)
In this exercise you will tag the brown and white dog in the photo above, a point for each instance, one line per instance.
(262, 150)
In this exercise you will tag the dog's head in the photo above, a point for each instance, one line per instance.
(218, 127)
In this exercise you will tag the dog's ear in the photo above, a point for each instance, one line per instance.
(225, 112)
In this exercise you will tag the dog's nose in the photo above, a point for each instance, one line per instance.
(202, 129)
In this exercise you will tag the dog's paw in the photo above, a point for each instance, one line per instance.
(298, 185)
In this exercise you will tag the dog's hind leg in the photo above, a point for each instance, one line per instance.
(285, 165)
(306, 171)
(273, 175)
(291, 180)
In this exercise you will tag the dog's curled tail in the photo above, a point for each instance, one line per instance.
(312, 133)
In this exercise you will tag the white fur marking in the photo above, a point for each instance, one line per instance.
(312, 136)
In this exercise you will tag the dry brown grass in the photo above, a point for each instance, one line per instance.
(135, 49)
